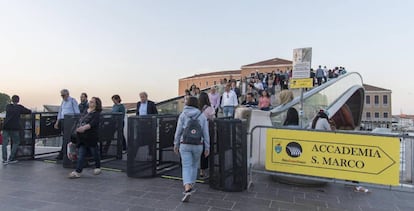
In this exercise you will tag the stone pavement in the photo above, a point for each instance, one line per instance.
(37, 185)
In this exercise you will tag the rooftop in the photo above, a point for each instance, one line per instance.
(269, 62)
(218, 73)
(374, 88)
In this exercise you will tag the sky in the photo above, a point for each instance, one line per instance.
(124, 47)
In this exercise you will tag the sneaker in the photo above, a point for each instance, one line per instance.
(186, 197)
(12, 161)
(97, 171)
(192, 190)
(74, 175)
(5, 163)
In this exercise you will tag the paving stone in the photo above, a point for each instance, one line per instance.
(279, 205)
(221, 204)
(35, 185)
(316, 203)
(191, 207)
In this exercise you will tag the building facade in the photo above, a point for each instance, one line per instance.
(377, 108)
(266, 66)
(207, 80)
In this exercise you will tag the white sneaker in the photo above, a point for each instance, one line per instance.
(74, 175)
(5, 162)
(97, 171)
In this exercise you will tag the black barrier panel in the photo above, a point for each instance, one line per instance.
(142, 137)
(46, 125)
(166, 131)
(26, 146)
(228, 155)
(69, 124)
(110, 134)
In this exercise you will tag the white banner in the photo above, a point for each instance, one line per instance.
(302, 58)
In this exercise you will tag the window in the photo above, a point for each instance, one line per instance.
(368, 99)
(215, 82)
(376, 114)
(368, 115)
(385, 114)
(385, 99)
(206, 83)
(376, 99)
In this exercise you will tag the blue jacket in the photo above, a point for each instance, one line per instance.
(183, 119)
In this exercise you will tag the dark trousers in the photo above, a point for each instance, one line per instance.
(203, 161)
(319, 81)
(60, 125)
(82, 154)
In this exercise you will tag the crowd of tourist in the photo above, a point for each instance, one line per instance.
(258, 91)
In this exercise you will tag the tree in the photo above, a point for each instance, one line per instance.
(4, 100)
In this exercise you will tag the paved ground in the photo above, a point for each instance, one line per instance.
(37, 185)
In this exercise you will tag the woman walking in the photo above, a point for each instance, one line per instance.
(188, 141)
(87, 137)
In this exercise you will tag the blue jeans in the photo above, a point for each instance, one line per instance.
(15, 137)
(228, 111)
(190, 159)
(81, 157)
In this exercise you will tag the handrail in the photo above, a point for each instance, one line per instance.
(310, 93)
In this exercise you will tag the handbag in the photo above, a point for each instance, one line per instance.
(72, 151)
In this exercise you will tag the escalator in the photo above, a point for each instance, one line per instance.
(342, 97)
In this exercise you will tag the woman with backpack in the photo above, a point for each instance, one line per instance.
(190, 136)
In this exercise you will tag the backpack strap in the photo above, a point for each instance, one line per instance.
(198, 115)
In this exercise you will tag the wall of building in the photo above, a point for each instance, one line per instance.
(247, 71)
(380, 108)
(203, 82)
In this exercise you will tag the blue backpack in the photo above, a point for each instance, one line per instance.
(193, 132)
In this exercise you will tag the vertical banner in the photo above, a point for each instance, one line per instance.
(302, 58)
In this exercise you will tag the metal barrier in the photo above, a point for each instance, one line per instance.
(150, 145)
(27, 138)
(37, 135)
(110, 136)
(228, 155)
(406, 162)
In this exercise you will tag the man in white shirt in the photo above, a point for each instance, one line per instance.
(229, 101)
(69, 106)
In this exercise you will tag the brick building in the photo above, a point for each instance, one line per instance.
(377, 108)
(266, 66)
(207, 80)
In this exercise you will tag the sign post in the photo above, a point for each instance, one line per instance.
(302, 58)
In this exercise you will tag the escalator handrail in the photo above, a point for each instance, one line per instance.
(306, 95)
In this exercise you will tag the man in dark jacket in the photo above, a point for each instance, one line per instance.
(12, 128)
(145, 106)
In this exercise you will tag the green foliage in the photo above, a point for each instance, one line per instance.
(4, 100)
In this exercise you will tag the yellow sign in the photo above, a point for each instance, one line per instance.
(365, 158)
(301, 83)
